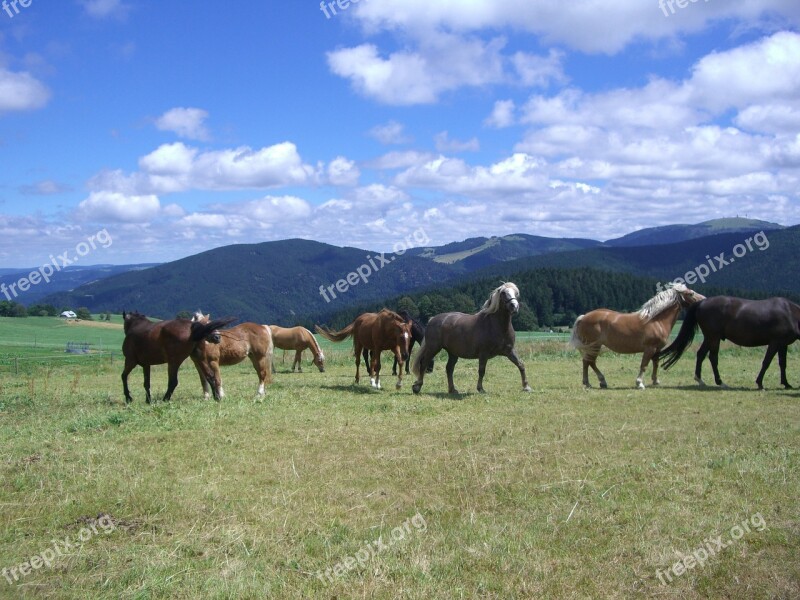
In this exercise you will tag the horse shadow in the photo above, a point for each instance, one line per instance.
(353, 388)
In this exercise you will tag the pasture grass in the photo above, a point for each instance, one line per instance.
(559, 493)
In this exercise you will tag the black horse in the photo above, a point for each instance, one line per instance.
(484, 335)
(774, 323)
(417, 335)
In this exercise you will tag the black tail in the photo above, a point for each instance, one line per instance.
(203, 330)
(685, 336)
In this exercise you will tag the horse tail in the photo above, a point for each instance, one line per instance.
(335, 336)
(417, 358)
(575, 340)
(685, 336)
(201, 331)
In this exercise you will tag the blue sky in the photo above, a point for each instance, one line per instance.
(179, 127)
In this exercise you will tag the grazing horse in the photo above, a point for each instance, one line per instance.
(484, 335)
(645, 331)
(147, 343)
(248, 340)
(376, 332)
(774, 323)
(298, 339)
(417, 335)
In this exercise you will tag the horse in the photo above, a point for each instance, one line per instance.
(417, 335)
(774, 323)
(385, 330)
(645, 331)
(248, 340)
(483, 335)
(147, 343)
(298, 339)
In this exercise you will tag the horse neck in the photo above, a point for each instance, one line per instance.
(669, 315)
(313, 341)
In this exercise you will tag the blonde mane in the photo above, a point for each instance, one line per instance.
(661, 302)
(493, 303)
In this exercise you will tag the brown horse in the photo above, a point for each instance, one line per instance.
(376, 332)
(484, 335)
(147, 343)
(298, 339)
(248, 340)
(644, 331)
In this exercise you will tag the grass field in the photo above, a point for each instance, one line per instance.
(558, 493)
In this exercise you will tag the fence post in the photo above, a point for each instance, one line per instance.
(16, 366)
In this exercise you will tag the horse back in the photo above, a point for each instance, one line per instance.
(749, 322)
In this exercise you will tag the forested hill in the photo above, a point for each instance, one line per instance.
(771, 266)
(549, 296)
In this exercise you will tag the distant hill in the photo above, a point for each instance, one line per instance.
(270, 282)
(68, 278)
(773, 269)
(476, 253)
(671, 234)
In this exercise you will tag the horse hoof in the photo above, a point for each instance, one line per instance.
(398, 386)
(453, 391)
(604, 385)
(416, 388)
(527, 388)
(640, 386)
(788, 386)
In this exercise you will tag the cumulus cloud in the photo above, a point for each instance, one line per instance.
(342, 171)
(187, 123)
(114, 206)
(21, 92)
(502, 114)
(445, 144)
(390, 133)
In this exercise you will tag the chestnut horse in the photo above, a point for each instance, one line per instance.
(774, 323)
(645, 331)
(147, 343)
(376, 332)
(298, 339)
(484, 335)
(248, 340)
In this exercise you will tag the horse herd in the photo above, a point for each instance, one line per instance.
(774, 322)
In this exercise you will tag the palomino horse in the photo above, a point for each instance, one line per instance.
(376, 332)
(147, 343)
(298, 339)
(774, 323)
(644, 331)
(248, 340)
(417, 335)
(484, 335)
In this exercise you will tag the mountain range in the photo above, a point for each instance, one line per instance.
(284, 281)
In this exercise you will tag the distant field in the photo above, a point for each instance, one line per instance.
(560, 493)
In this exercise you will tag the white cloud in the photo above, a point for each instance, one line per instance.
(390, 133)
(502, 114)
(114, 206)
(445, 144)
(103, 9)
(342, 171)
(21, 91)
(185, 122)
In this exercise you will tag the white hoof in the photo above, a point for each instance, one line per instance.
(372, 382)
(640, 385)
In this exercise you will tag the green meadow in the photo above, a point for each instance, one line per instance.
(326, 489)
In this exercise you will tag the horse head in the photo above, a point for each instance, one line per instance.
(403, 337)
(319, 361)
(687, 296)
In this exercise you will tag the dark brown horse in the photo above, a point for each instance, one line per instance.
(147, 343)
(484, 335)
(774, 323)
(376, 332)
(248, 340)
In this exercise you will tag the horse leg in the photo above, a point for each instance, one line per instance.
(260, 365)
(129, 366)
(646, 356)
(782, 362)
(216, 382)
(358, 362)
(298, 360)
(772, 349)
(398, 359)
(203, 379)
(514, 358)
(172, 382)
(698, 367)
(146, 369)
(375, 370)
(452, 359)
(481, 372)
(713, 357)
(590, 360)
(394, 366)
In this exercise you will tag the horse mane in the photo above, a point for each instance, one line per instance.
(493, 303)
(661, 301)
(317, 347)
